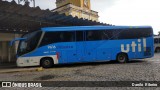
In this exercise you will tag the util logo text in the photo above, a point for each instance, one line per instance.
(134, 46)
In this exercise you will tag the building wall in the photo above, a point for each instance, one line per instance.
(76, 8)
(7, 52)
(78, 3)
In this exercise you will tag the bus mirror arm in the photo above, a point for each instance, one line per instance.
(16, 39)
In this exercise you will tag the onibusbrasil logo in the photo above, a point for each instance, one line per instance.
(20, 84)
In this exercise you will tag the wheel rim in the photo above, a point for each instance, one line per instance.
(121, 58)
(46, 62)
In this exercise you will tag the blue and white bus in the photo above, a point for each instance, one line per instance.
(62, 45)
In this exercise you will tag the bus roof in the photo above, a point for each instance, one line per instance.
(79, 28)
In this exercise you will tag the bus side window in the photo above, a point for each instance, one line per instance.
(55, 37)
(94, 35)
(79, 35)
(90, 35)
(108, 34)
(48, 38)
(67, 36)
(134, 33)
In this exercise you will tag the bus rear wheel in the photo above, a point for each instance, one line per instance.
(46, 62)
(122, 58)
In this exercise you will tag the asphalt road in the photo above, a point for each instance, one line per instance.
(136, 70)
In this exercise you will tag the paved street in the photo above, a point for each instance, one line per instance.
(137, 70)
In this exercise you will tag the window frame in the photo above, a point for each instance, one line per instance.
(63, 37)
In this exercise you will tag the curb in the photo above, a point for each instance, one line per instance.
(22, 70)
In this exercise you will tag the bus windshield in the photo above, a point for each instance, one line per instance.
(28, 45)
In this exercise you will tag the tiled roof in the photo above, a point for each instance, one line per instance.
(18, 18)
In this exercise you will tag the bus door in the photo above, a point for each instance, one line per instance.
(68, 53)
(68, 48)
(89, 46)
(80, 46)
(90, 51)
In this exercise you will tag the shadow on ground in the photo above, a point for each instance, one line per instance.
(13, 65)
(7, 65)
(95, 63)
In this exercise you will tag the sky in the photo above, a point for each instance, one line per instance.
(121, 12)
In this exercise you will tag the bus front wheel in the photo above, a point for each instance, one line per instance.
(122, 58)
(46, 62)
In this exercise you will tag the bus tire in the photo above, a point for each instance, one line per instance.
(46, 62)
(122, 58)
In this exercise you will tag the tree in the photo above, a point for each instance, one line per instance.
(27, 1)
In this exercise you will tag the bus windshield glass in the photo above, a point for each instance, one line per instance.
(28, 45)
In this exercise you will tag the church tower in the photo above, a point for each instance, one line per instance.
(79, 8)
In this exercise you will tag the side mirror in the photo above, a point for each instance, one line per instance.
(16, 39)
